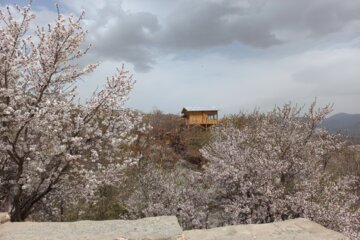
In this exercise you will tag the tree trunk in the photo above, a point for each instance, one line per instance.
(18, 215)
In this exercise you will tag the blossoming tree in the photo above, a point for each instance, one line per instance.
(261, 168)
(49, 144)
(273, 167)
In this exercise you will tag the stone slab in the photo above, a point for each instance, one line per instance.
(295, 229)
(4, 217)
(154, 228)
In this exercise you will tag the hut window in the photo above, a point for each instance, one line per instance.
(212, 116)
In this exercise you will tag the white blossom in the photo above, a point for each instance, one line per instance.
(50, 146)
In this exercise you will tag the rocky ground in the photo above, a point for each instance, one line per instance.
(295, 229)
(161, 228)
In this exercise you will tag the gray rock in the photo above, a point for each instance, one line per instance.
(154, 228)
(163, 228)
(295, 229)
(4, 217)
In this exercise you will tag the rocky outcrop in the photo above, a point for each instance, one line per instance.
(296, 229)
(154, 228)
(163, 228)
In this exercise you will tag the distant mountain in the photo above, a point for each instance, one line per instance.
(344, 123)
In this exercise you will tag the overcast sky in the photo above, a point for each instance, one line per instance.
(231, 54)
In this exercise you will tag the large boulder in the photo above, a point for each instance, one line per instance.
(296, 229)
(4, 217)
(154, 228)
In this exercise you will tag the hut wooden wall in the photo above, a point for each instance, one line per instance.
(200, 118)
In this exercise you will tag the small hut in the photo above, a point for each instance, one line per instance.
(200, 116)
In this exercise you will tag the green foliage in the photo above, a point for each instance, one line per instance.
(107, 207)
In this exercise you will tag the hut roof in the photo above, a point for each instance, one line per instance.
(199, 109)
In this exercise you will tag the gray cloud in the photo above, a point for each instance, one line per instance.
(205, 24)
(227, 53)
(315, 19)
(120, 35)
(141, 37)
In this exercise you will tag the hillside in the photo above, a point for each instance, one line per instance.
(344, 123)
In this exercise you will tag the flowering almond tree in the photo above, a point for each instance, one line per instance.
(261, 168)
(274, 168)
(48, 143)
